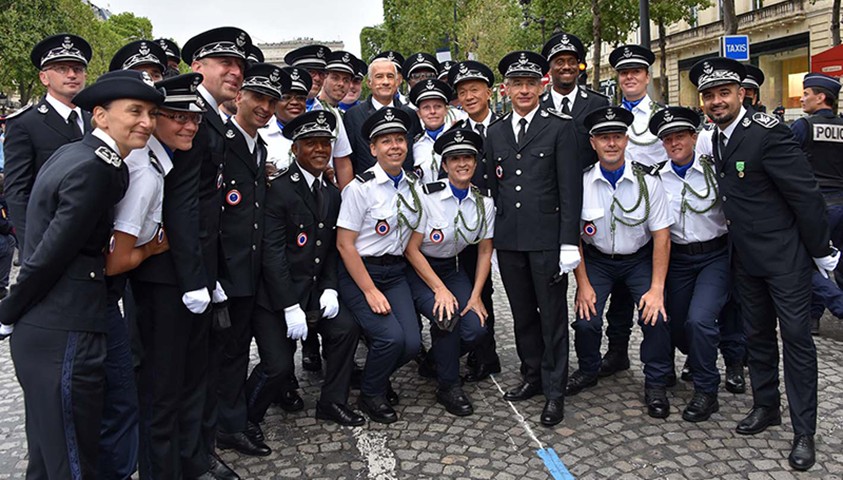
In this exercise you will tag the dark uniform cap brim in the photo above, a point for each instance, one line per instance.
(564, 43)
(218, 42)
(343, 62)
(180, 93)
(627, 57)
(170, 48)
(458, 141)
(523, 63)
(754, 77)
(384, 121)
(394, 57)
(608, 120)
(361, 68)
(315, 123)
(310, 57)
(673, 119)
(420, 61)
(716, 72)
(470, 70)
(430, 89)
(298, 80)
(264, 78)
(818, 80)
(117, 85)
(63, 47)
(139, 53)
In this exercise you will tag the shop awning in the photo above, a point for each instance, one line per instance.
(829, 62)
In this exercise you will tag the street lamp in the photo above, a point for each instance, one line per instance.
(530, 18)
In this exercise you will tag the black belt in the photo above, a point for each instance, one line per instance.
(592, 250)
(439, 263)
(383, 260)
(699, 248)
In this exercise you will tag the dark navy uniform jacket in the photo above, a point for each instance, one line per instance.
(299, 247)
(361, 155)
(61, 284)
(586, 101)
(773, 206)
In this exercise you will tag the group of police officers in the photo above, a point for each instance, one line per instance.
(250, 201)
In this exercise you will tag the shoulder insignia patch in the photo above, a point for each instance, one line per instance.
(766, 121)
(501, 118)
(42, 109)
(559, 114)
(109, 156)
(229, 134)
(295, 177)
(278, 173)
(433, 187)
(545, 97)
(18, 112)
(648, 169)
(746, 122)
(365, 176)
(543, 113)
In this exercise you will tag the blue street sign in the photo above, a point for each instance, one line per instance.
(735, 47)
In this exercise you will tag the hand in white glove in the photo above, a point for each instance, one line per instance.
(569, 258)
(6, 330)
(826, 265)
(219, 295)
(296, 323)
(197, 301)
(329, 303)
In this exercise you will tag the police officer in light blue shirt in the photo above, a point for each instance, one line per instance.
(625, 239)
(380, 210)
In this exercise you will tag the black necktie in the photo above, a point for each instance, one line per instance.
(320, 201)
(566, 106)
(72, 119)
(481, 129)
(522, 130)
(721, 137)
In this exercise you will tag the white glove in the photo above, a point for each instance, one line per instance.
(6, 330)
(826, 265)
(197, 301)
(329, 303)
(296, 323)
(495, 267)
(219, 295)
(569, 258)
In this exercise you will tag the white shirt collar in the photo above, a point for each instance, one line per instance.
(381, 176)
(209, 99)
(63, 109)
(731, 128)
(486, 121)
(557, 98)
(529, 117)
(597, 174)
(308, 177)
(160, 154)
(250, 141)
(448, 192)
(107, 139)
(378, 105)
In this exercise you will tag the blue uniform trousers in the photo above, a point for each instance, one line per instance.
(635, 272)
(447, 345)
(118, 456)
(697, 288)
(393, 339)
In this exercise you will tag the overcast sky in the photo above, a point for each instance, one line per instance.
(265, 20)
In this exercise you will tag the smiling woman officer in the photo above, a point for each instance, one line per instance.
(379, 212)
(58, 304)
(456, 215)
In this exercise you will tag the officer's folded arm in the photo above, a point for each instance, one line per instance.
(125, 256)
(652, 302)
(586, 299)
(445, 303)
(354, 264)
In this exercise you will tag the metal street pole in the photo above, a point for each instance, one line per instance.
(644, 14)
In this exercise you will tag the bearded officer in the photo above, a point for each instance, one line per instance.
(771, 200)
(33, 134)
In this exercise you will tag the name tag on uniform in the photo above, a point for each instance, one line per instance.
(828, 133)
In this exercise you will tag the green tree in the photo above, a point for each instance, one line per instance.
(665, 13)
(372, 41)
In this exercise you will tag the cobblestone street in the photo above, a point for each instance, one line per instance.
(606, 432)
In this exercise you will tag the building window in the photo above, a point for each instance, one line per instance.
(757, 4)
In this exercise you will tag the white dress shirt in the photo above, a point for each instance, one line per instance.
(139, 211)
(439, 222)
(426, 162)
(371, 209)
(692, 227)
(597, 211)
(557, 98)
(277, 145)
(516, 119)
(643, 147)
(64, 111)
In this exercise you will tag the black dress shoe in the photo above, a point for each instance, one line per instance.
(340, 414)
(657, 404)
(614, 361)
(523, 392)
(579, 381)
(377, 409)
(758, 419)
(290, 401)
(471, 360)
(482, 372)
(735, 382)
(802, 455)
(311, 362)
(701, 406)
(553, 412)
(253, 431)
(454, 401)
(687, 374)
(670, 380)
(392, 396)
(242, 443)
(219, 470)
